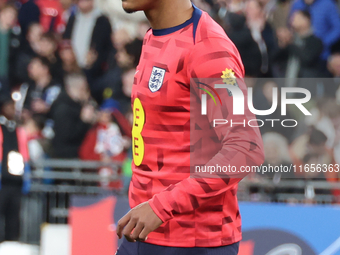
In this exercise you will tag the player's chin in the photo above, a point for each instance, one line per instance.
(128, 7)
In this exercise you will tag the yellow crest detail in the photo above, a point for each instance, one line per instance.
(229, 77)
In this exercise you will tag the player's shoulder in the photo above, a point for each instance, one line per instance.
(213, 44)
(211, 37)
(209, 29)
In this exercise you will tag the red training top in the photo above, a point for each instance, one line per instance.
(196, 212)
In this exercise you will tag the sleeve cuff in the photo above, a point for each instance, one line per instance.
(159, 209)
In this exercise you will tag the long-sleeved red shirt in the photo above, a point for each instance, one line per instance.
(200, 212)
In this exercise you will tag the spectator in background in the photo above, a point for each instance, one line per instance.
(90, 34)
(14, 169)
(335, 48)
(241, 36)
(29, 13)
(279, 20)
(42, 90)
(301, 51)
(334, 65)
(127, 82)
(69, 9)
(108, 140)
(325, 21)
(37, 144)
(127, 58)
(221, 12)
(28, 51)
(120, 38)
(9, 43)
(73, 115)
(262, 33)
(34, 34)
(50, 15)
(48, 46)
(69, 61)
(47, 13)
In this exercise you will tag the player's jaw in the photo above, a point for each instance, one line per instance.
(131, 6)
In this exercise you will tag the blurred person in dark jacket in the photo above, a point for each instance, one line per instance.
(48, 45)
(14, 168)
(9, 43)
(28, 50)
(90, 32)
(42, 90)
(73, 116)
(241, 36)
(262, 33)
(220, 9)
(29, 13)
(300, 52)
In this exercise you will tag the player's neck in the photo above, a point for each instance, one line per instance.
(169, 14)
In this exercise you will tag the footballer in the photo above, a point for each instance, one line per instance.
(173, 213)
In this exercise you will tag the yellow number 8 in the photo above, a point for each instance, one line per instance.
(137, 139)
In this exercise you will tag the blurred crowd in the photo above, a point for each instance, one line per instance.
(70, 68)
(69, 65)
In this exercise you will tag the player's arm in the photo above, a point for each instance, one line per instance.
(241, 144)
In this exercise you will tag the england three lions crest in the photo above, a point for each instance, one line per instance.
(156, 79)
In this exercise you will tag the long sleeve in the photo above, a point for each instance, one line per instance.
(240, 146)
